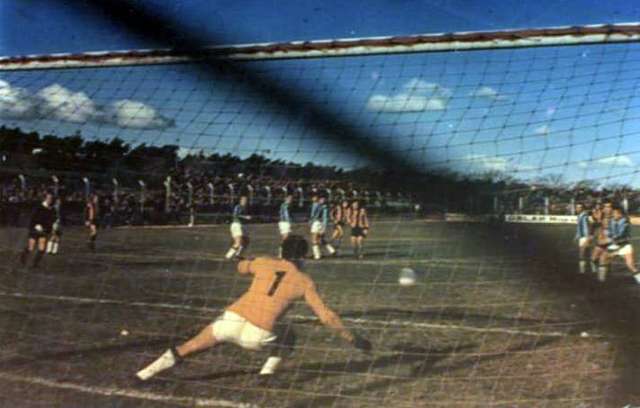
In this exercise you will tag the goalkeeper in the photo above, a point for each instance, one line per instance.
(250, 321)
(40, 228)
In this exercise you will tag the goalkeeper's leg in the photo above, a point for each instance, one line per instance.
(282, 348)
(172, 356)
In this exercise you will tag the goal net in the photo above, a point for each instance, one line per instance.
(435, 135)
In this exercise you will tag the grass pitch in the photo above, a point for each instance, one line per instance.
(494, 320)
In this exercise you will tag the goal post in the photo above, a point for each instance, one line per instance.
(420, 43)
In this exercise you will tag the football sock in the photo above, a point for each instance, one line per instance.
(164, 362)
(583, 266)
(49, 247)
(230, 253)
(330, 249)
(316, 252)
(602, 273)
(54, 247)
(270, 365)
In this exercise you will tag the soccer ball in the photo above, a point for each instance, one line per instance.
(407, 277)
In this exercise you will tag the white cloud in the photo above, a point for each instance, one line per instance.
(487, 163)
(609, 161)
(616, 161)
(417, 95)
(525, 168)
(551, 110)
(186, 151)
(542, 130)
(59, 103)
(15, 103)
(487, 92)
(422, 87)
(133, 114)
(404, 103)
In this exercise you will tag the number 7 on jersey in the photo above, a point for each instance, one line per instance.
(276, 283)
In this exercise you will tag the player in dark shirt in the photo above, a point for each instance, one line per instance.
(40, 228)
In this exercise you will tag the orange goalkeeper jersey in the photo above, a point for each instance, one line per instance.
(277, 283)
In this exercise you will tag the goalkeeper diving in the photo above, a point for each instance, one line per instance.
(250, 322)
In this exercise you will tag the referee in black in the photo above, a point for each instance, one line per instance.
(40, 228)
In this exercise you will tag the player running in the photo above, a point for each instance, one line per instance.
(583, 236)
(238, 234)
(250, 321)
(340, 218)
(359, 221)
(40, 227)
(620, 236)
(56, 231)
(319, 220)
(91, 220)
(284, 225)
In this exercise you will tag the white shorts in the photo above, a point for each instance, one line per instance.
(284, 227)
(317, 227)
(236, 230)
(233, 328)
(623, 251)
(583, 242)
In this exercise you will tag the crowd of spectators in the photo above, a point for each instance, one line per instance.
(561, 201)
(187, 193)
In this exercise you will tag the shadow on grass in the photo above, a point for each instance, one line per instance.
(61, 355)
(423, 363)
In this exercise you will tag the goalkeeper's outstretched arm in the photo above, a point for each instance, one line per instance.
(331, 319)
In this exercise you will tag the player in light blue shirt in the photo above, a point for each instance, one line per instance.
(319, 220)
(240, 239)
(583, 235)
(620, 235)
(284, 223)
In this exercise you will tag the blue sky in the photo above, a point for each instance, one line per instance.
(528, 113)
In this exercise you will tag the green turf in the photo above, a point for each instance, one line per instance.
(480, 328)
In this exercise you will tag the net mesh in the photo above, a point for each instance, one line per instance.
(487, 322)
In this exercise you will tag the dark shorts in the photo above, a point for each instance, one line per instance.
(33, 234)
(340, 224)
(358, 232)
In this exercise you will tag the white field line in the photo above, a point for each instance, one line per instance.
(123, 392)
(363, 321)
(266, 224)
(475, 261)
